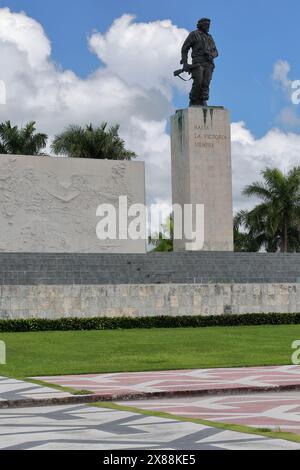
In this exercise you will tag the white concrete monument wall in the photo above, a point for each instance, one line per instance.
(136, 300)
(201, 171)
(49, 204)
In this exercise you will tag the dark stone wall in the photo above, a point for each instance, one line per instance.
(152, 268)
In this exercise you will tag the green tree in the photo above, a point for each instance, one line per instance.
(21, 141)
(274, 224)
(243, 240)
(163, 241)
(89, 142)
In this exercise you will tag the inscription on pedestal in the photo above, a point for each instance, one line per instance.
(201, 171)
(208, 140)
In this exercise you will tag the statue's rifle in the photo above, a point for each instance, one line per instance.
(188, 68)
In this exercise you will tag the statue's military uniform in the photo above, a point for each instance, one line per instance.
(204, 52)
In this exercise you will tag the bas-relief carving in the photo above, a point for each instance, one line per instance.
(46, 210)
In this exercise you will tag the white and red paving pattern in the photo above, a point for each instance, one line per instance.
(224, 395)
(197, 380)
(279, 411)
(13, 390)
(79, 426)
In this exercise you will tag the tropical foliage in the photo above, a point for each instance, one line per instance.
(21, 141)
(274, 224)
(91, 142)
(163, 241)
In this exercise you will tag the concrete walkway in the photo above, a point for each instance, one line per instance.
(73, 425)
(279, 411)
(174, 383)
(139, 385)
(90, 428)
(12, 390)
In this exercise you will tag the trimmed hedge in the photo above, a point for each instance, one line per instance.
(105, 323)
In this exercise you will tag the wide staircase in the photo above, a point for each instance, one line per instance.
(152, 268)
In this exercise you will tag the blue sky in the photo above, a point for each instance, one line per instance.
(106, 66)
(251, 36)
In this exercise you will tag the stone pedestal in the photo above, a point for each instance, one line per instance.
(201, 171)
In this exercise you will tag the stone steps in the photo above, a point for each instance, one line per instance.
(184, 267)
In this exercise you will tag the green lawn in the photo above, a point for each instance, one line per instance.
(51, 353)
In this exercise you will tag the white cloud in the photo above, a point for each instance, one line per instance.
(133, 88)
(250, 156)
(26, 35)
(289, 118)
(39, 90)
(144, 54)
(150, 140)
(280, 75)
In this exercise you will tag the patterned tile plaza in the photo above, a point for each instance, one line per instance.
(182, 380)
(275, 411)
(90, 428)
(15, 390)
(87, 427)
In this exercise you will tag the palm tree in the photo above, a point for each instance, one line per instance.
(243, 240)
(274, 224)
(23, 141)
(90, 142)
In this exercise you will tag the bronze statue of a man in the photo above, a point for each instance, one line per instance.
(204, 52)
